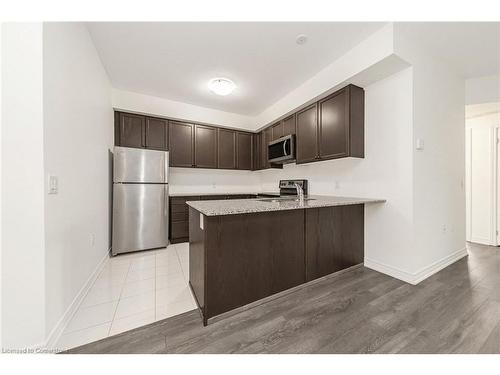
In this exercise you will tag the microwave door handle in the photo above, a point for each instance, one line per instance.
(284, 148)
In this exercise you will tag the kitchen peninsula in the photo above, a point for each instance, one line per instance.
(244, 250)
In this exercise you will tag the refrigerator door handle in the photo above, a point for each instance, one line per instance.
(165, 202)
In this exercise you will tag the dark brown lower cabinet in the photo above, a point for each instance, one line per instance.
(179, 213)
(244, 258)
(334, 239)
(179, 219)
(239, 259)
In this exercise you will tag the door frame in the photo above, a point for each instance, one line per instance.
(496, 185)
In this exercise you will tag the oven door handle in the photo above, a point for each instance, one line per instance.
(284, 147)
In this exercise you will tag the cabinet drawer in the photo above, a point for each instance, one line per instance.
(179, 208)
(179, 229)
(178, 200)
(180, 216)
(212, 197)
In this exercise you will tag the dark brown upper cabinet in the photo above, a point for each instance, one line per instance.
(333, 127)
(330, 128)
(341, 124)
(277, 130)
(226, 152)
(244, 150)
(289, 125)
(205, 146)
(181, 144)
(307, 134)
(157, 133)
(131, 130)
(257, 152)
(267, 137)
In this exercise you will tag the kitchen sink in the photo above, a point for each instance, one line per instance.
(274, 200)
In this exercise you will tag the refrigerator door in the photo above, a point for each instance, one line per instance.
(139, 165)
(140, 217)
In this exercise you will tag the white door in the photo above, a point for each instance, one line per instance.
(482, 185)
(497, 186)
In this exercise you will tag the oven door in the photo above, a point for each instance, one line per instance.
(282, 150)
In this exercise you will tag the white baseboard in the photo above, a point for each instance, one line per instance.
(482, 241)
(60, 326)
(420, 275)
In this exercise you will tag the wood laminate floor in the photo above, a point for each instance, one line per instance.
(361, 311)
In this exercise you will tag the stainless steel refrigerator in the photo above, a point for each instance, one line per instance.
(140, 199)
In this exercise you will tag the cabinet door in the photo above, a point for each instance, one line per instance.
(263, 150)
(267, 136)
(181, 143)
(277, 130)
(334, 126)
(226, 150)
(132, 130)
(289, 125)
(307, 134)
(256, 152)
(157, 133)
(205, 146)
(334, 239)
(244, 147)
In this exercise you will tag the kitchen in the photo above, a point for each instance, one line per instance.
(331, 128)
(240, 204)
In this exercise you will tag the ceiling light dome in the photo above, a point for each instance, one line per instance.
(221, 86)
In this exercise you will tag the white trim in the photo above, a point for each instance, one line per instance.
(496, 198)
(420, 275)
(60, 326)
(482, 240)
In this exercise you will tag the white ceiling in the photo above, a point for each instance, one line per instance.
(472, 48)
(176, 60)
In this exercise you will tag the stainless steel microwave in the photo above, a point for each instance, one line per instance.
(282, 150)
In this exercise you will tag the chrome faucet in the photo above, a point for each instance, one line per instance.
(300, 191)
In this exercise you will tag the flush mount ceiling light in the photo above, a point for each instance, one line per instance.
(221, 86)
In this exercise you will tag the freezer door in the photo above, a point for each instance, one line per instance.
(139, 165)
(140, 217)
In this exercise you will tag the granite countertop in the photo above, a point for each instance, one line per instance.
(245, 206)
(215, 193)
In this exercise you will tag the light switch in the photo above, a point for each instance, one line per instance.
(53, 188)
(420, 144)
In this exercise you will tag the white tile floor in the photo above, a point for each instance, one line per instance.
(132, 290)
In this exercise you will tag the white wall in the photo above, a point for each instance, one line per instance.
(23, 257)
(367, 54)
(482, 90)
(481, 174)
(78, 120)
(438, 170)
(202, 181)
(385, 172)
(134, 102)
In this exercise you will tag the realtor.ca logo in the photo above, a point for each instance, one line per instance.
(31, 350)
